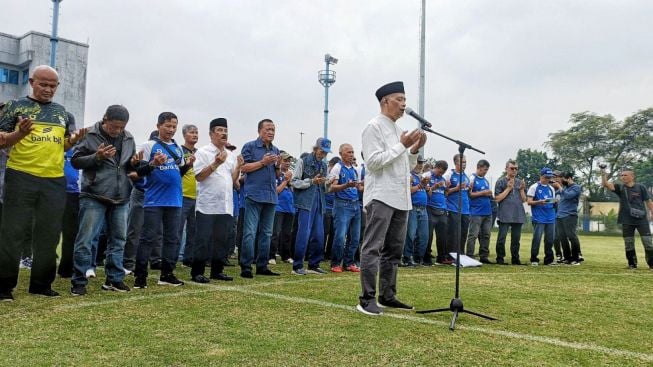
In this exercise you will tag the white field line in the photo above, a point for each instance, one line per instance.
(249, 291)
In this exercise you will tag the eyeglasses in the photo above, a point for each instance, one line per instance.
(513, 168)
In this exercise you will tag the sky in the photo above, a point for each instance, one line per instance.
(500, 74)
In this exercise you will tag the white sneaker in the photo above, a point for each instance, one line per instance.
(272, 262)
(289, 260)
(90, 273)
(127, 271)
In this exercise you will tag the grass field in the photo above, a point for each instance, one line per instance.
(599, 313)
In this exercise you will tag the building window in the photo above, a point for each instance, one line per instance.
(8, 76)
(25, 76)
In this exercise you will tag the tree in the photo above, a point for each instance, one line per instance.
(594, 139)
(530, 163)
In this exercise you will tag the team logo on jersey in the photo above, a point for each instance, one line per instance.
(47, 130)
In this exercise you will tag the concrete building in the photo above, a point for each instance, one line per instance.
(20, 55)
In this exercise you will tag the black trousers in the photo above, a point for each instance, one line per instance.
(31, 205)
(515, 237)
(329, 232)
(281, 231)
(457, 232)
(437, 229)
(212, 235)
(566, 233)
(69, 227)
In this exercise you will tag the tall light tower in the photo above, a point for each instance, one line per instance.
(327, 78)
(422, 68)
(53, 38)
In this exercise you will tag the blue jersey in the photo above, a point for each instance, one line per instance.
(285, 203)
(343, 175)
(72, 174)
(438, 197)
(419, 197)
(164, 182)
(452, 199)
(543, 213)
(480, 205)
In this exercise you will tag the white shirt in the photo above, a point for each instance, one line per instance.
(215, 193)
(387, 164)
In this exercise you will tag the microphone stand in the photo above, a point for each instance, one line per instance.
(456, 304)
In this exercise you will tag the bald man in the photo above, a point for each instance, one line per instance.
(343, 181)
(39, 131)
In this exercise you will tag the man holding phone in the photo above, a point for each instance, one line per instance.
(541, 198)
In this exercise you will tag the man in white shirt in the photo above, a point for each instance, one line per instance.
(217, 170)
(389, 153)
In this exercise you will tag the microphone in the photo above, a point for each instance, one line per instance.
(417, 117)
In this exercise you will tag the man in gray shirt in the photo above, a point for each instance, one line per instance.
(510, 194)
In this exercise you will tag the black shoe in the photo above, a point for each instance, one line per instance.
(200, 279)
(395, 303)
(115, 286)
(518, 263)
(170, 279)
(222, 276)
(78, 290)
(632, 266)
(140, 282)
(485, 260)
(6, 297)
(247, 274)
(45, 292)
(427, 263)
(267, 272)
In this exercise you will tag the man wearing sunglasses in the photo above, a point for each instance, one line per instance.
(510, 194)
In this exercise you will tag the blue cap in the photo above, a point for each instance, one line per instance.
(324, 144)
(546, 172)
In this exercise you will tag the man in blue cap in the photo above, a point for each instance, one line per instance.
(309, 186)
(541, 198)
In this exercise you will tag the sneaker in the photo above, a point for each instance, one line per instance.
(580, 258)
(336, 269)
(370, 309)
(26, 263)
(574, 263)
(128, 272)
(170, 279)
(115, 286)
(535, 263)
(353, 268)
(267, 272)
(90, 273)
(45, 292)
(140, 283)
(78, 290)
(395, 303)
(552, 264)
(272, 262)
(6, 297)
(298, 272)
(288, 260)
(316, 270)
(485, 260)
(222, 276)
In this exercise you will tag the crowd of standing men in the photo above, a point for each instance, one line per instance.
(157, 203)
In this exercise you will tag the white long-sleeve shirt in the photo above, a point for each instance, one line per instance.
(388, 164)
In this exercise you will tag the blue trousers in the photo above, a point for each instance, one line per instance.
(257, 225)
(347, 220)
(310, 235)
(417, 233)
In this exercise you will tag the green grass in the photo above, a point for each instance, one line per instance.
(599, 313)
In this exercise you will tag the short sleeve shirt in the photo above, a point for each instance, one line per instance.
(511, 208)
(164, 182)
(637, 196)
(260, 184)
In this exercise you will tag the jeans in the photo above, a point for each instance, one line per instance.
(187, 222)
(281, 236)
(515, 237)
(479, 227)
(347, 220)
(548, 229)
(69, 227)
(92, 216)
(417, 234)
(566, 233)
(257, 225)
(438, 226)
(212, 243)
(159, 221)
(32, 205)
(310, 236)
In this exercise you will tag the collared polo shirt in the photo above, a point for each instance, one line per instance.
(260, 185)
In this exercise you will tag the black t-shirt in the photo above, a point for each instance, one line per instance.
(635, 198)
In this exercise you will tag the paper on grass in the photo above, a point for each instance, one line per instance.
(465, 261)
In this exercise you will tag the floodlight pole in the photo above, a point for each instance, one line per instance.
(53, 38)
(327, 78)
(422, 67)
(301, 143)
